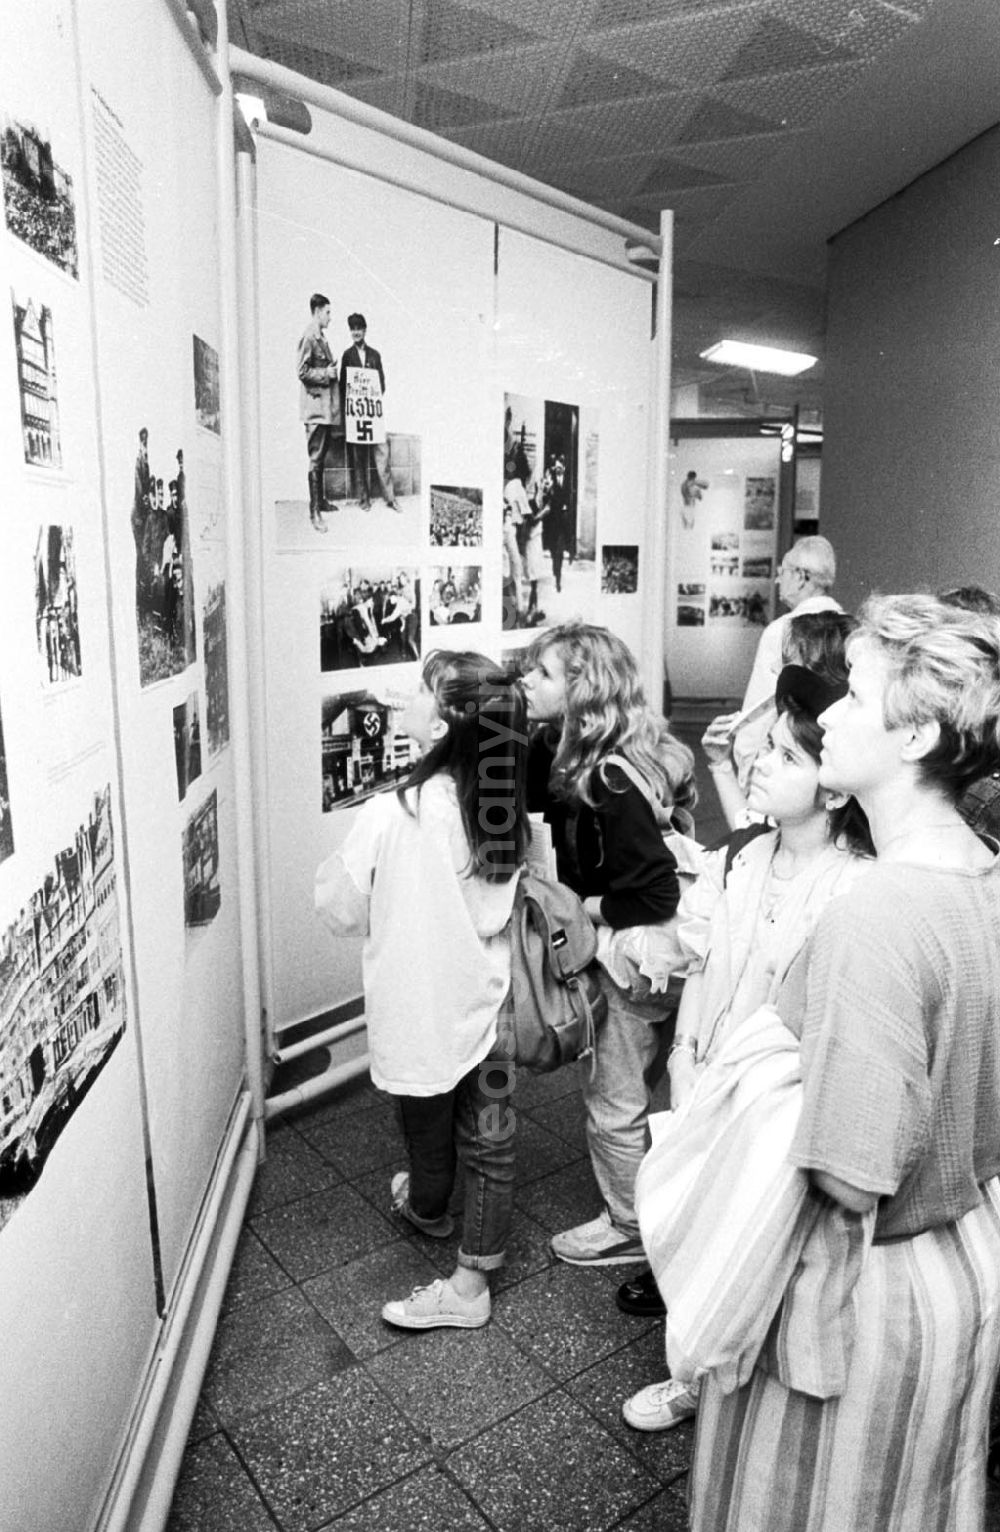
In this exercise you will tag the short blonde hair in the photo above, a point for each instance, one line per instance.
(942, 666)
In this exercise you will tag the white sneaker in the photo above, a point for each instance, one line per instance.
(659, 1406)
(597, 1243)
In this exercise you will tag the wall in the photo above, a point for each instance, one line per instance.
(911, 455)
(121, 970)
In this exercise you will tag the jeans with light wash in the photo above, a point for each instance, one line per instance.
(473, 1124)
(630, 1058)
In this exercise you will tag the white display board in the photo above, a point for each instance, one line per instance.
(152, 192)
(722, 541)
(121, 1025)
(482, 351)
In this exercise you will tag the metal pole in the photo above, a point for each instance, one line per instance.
(655, 583)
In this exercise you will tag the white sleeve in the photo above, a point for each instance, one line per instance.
(344, 881)
(695, 911)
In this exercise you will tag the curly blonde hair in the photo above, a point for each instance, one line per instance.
(607, 714)
(942, 665)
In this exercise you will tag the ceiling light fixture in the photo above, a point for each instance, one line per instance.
(739, 353)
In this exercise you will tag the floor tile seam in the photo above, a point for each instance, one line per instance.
(630, 1442)
(559, 1380)
(540, 1122)
(248, 1417)
(248, 1471)
(391, 1235)
(624, 1519)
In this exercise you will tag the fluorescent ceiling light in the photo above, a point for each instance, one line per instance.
(739, 353)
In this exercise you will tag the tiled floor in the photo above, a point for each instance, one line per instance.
(315, 1414)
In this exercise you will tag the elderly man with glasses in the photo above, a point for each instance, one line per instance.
(805, 577)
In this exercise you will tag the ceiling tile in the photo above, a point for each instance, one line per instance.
(591, 80)
(794, 99)
(685, 51)
(449, 31)
(714, 121)
(775, 47)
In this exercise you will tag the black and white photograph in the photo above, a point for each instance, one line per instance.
(741, 606)
(57, 616)
(63, 1000)
(619, 569)
(6, 822)
(549, 527)
(206, 385)
(369, 615)
(164, 577)
(690, 614)
(216, 669)
(200, 853)
(34, 346)
(724, 554)
(758, 568)
(455, 595)
(759, 504)
(364, 747)
(456, 516)
(38, 198)
(361, 477)
(187, 744)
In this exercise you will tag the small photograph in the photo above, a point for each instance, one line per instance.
(456, 594)
(725, 542)
(38, 195)
(691, 588)
(548, 532)
(216, 669)
(369, 616)
(690, 614)
(724, 561)
(742, 607)
(56, 606)
(758, 568)
(758, 504)
(6, 824)
(34, 344)
(200, 852)
(692, 489)
(187, 744)
(619, 569)
(62, 968)
(456, 517)
(164, 576)
(206, 385)
(365, 748)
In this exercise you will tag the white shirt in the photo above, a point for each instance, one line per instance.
(436, 957)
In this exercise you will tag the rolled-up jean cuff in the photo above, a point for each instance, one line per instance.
(482, 1262)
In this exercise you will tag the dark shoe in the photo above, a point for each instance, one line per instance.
(640, 1295)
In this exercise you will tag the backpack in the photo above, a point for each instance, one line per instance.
(555, 1002)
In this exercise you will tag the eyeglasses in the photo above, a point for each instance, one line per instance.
(784, 569)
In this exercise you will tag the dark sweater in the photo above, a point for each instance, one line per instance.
(614, 851)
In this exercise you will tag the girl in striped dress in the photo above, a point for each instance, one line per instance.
(896, 998)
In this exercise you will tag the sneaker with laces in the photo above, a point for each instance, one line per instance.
(437, 1228)
(597, 1243)
(661, 1405)
(428, 1308)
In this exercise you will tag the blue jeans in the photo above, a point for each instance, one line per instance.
(630, 1057)
(473, 1124)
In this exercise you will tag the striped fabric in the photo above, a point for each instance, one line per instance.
(727, 1222)
(903, 1449)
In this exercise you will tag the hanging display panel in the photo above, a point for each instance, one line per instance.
(77, 1263)
(406, 349)
(151, 188)
(722, 540)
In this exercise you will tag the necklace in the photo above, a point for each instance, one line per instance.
(949, 824)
